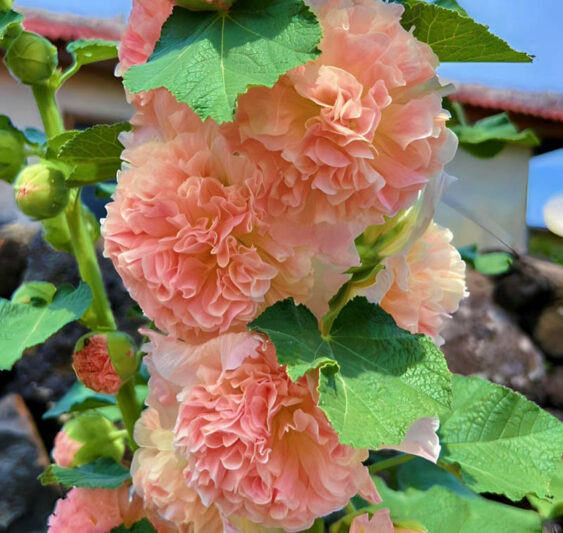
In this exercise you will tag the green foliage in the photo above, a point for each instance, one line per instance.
(144, 526)
(103, 473)
(37, 293)
(451, 4)
(27, 325)
(552, 506)
(105, 190)
(86, 51)
(439, 510)
(206, 59)
(455, 37)
(487, 137)
(376, 379)
(79, 398)
(491, 264)
(10, 24)
(498, 441)
(94, 155)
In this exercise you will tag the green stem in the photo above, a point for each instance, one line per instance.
(50, 115)
(130, 409)
(88, 266)
(390, 463)
(81, 242)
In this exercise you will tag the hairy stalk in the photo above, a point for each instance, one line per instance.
(130, 409)
(390, 463)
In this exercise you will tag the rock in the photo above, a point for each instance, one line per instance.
(24, 503)
(548, 332)
(14, 245)
(554, 387)
(482, 339)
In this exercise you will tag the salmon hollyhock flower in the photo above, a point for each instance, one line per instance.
(188, 233)
(65, 449)
(361, 129)
(95, 511)
(420, 287)
(143, 31)
(249, 440)
(93, 365)
(158, 479)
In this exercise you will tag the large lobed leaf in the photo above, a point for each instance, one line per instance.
(79, 398)
(454, 36)
(206, 59)
(94, 155)
(488, 136)
(499, 441)
(24, 325)
(375, 378)
(104, 473)
(441, 510)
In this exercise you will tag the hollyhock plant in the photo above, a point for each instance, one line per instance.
(358, 131)
(420, 287)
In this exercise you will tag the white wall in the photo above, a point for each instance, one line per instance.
(491, 191)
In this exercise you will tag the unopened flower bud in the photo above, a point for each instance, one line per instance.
(12, 155)
(5, 5)
(31, 58)
(104, 361)
(205, 5)
(41, 191)
(87, 437)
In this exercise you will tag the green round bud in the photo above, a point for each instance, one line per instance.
(12, 155)
(31, 58)
(41, 191)
(6, 5)
(205, 5)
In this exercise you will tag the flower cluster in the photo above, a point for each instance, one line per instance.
(210, 224)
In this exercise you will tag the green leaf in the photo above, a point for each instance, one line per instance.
(551, 507)
(494, 263)
(487, 137)
(206, 59)
(86, 51)
(451, 4)
(8, 22)
(144, 526)
(455, 37)
(94, 154)
(77, 399)
(491, 264)
(37, 293)
(499, 441)
(105, 190)
(54, 144)
(376, 379)
(24, 326)
(440, 511)
(104, 473)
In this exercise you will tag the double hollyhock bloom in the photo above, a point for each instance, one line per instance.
(228, 434)
(421, 286)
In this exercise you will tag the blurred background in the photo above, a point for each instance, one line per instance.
(509, 330)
